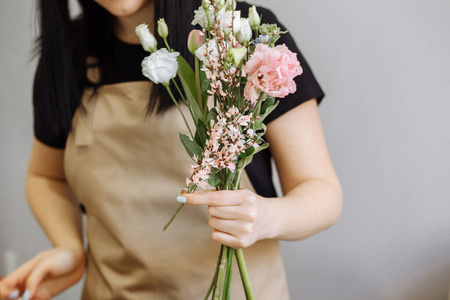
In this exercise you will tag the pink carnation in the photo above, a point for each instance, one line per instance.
(271, 70)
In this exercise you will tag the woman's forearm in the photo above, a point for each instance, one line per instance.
(56, 209)
(310, 207)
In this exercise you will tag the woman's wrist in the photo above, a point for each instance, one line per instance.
(304, 211)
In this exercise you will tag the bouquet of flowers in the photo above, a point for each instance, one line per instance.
(238, 64)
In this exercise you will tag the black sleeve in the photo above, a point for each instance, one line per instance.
(307, 85)
(45, 130)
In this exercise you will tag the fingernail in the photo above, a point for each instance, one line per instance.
(185, 189)
(14, 294)
(26, 295)
(181, 199)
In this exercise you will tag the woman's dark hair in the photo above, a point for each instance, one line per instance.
(65, 44)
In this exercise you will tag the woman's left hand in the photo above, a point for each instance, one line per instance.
(238, 217)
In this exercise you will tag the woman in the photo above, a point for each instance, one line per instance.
(93, 146)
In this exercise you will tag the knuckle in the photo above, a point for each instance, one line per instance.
(250, 197)
(214, 198)
(241, 243)
(251, 214)
(247, 228)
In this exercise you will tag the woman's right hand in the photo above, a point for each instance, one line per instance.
(45, 275)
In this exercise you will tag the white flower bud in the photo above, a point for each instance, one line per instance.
(220, 3)
(254, 18)
(160, 66)
(206, 4)
(245, 33)
(163, 30)
(231, 4)
(147, 39)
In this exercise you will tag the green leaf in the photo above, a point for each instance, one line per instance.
(206, 83)
(268, 110)
(201, 134)
(247, 152)
(244, 161)
(269, 102)
(264, 128)
(215, 181)
(212, 115)
(262, 147)
(191, 146)
(187, 78)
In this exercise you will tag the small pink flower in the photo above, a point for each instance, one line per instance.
(272, 71)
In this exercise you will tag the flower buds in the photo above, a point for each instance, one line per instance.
(220, 4)
(147, 39)
(195, 40)
(206, 4)
(163, 30)
(231, 4)
(254, 18)
(245, 33)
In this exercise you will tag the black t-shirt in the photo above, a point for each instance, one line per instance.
(126, 66)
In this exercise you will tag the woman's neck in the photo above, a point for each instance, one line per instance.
(124, 26)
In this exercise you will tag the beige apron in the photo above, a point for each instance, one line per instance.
(127, 170)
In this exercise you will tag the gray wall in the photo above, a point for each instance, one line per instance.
(385, 68)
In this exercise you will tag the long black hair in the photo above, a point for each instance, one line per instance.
(65, 44)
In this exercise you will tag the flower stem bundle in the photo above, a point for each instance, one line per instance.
(243, 73)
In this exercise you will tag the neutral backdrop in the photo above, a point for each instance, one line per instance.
(385, 68)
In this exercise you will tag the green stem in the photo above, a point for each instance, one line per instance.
(227, 286)
(184, 99)
(173, 216)
(228, 181)
(244, 274)
(167, 45)
(237, 182)
(216, 273)
(179, 90)
(176, 103)
(197, 81)
(209, 23)
(191, 190)
(221, 273)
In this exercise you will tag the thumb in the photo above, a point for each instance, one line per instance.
(34, 279)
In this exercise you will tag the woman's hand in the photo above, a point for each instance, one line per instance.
(45, 275)
(238, 217)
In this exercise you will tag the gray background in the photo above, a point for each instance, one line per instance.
(385, 68)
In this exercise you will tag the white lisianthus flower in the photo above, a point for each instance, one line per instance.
(148, 41)
(245, 33)
(226, 21)
(200, 16)
(208, 49)
(161, 66)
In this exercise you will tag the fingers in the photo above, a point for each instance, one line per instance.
(51, 287)
(228, 240)
(248, 213)
(15, 282)
(34, 279)
(214, 198)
